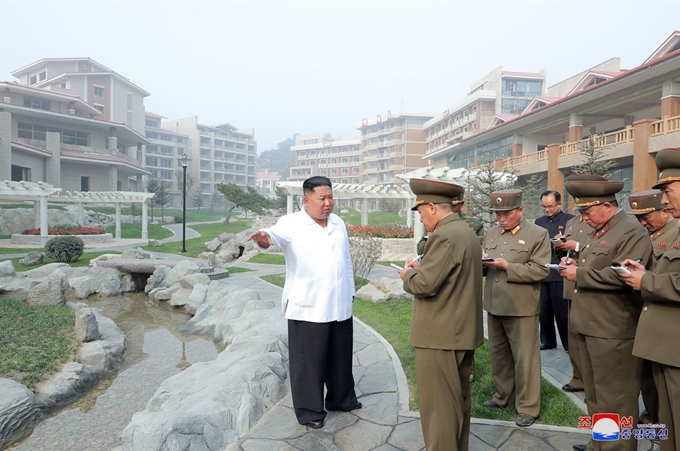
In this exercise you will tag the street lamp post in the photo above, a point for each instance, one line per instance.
(184, 159)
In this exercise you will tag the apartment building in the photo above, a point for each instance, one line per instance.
(392, 145)
(56, 137)
(114, 96)
(498, 96)
(162, 157)
(630, 115)
(219, 154)
(266, 182)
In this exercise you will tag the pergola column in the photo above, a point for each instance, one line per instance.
(81, 214)
(364, 212)
(36, 215)
(118, 234)
(43, 221)
(418, 231)
(145, 225)
(289, 204)
(409, 216)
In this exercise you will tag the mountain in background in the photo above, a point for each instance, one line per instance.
(279, 159)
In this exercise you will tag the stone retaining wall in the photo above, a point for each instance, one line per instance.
(17, 238)
(394, 246)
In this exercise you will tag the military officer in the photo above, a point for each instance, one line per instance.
(604, 313)
(662, 228)
(658, 334)
(519, 250)
(577, 231)
(447, 315)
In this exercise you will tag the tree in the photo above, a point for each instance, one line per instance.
(389, 206)
(248, 200)
(531, 198)
(279, 159)
(134, 211)
(281, 199)
(152, 187)
(197, 200)
(213, 201)
(592, 157)
(191, 180)
(481, 182)
(163, 196)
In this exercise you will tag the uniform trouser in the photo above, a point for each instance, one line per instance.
(650, 397)
(667, 380)
(321, 353)
(612, 383)
(443, 379)
(574, 356)
(515, 362)
(554, 309)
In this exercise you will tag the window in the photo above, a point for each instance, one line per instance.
(166, 137)
(40, 104)
(43, 75)
(98, 91)
(119, 186)
(180, 139)
(63, 85)
(38, 132)
(20, 173)
(167, 175)
(165, 150)
(180, 151)
(152, 135)
(165, 163)
(33, 80)
(129, 101)
(152, 123)
(99, 107)
(150, 161)
(84, 183)
(74, 137)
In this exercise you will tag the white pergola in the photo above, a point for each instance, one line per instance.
(41, 193)
(365, 192)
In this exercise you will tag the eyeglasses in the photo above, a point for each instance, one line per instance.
(550, 207)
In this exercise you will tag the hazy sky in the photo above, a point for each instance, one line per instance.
(285, 67)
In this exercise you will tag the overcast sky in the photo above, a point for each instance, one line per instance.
(284, 67)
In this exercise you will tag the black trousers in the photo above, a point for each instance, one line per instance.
(553, 305)
(321, 354)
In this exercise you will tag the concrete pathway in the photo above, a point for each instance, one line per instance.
(384, 423)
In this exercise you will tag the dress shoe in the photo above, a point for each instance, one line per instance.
(544, 347)
(570, 388)
(315, 424)
(523, 420)
(580, 447)
(491, 405)
(357, 406)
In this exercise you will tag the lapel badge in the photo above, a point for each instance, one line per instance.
(521, 242)
(662, 244)
(603, 243)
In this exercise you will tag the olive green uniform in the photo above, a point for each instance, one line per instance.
(447, 327)
(512, 300)
(604, 313)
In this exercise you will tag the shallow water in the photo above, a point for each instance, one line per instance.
(155, 350)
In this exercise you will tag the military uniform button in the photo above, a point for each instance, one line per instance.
(495, 280)
(587, 246)
(575, 291)
(501, 255)
(644, 309)
(583, 261)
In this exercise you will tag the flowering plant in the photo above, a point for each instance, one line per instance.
(395, 230)
(67, 230)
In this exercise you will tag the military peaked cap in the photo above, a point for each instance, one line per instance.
(435, 192)
(591, 190)
(506, 200)
(668, 164)
(645, 202)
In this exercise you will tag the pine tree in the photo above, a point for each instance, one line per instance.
(531, 196)
(592, 159)
(197, 200)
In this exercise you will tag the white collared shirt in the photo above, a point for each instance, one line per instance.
(319, 279)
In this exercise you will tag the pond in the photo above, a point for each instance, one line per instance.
(155, 350)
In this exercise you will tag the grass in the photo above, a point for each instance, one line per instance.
(30, 206)
(84, 260)
(156, 231)
(238, 269)
(195, 246)
(18, 250)
(392, 320)
(192, 215)
(270, 259)
(374, 217)
(25, 358)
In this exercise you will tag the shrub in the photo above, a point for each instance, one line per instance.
(64, 249)
(178, 219)
(365, 252)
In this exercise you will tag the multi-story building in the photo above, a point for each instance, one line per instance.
(219, 154)
(498, 96)
(629, 115)
(392, 145)
(115, 97)
(56, 137)
(321, 154)
(162, 156)
(266, 182)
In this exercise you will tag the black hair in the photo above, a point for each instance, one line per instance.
(313, 183)
(556, 194)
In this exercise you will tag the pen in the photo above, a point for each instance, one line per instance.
(639, 260)
(417, 258)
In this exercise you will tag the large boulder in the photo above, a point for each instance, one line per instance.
(137, 253)
(7, 269)
(181, 269)
(208, 257)
(157, 279)
(45, 270)
(83, 286)
(192, 279)
(384, 289)
(87, 328)
(32, 258)
(106, 354)
(19, 409)
(198, 295)
(68, 384)
(50, 290)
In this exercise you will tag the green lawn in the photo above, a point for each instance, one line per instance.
(192, 215)
(30, 206)
(195, 246)
(374, 217)
(18, 250)
(270, 259)
(26, 359)
(392, 320)
(84, 260)
(156, 231)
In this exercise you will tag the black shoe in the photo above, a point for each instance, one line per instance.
(570, 388)
(315, 424)
(523, 420)
(491, 405)
(580, 447)
(544, 347)
(357, 406)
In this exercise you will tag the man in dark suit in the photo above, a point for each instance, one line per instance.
(554, 308)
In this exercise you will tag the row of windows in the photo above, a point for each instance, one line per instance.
(34, 79)
(356, 148)
(38, 132)
(40, 104)
(161, 136)
(164, 162)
